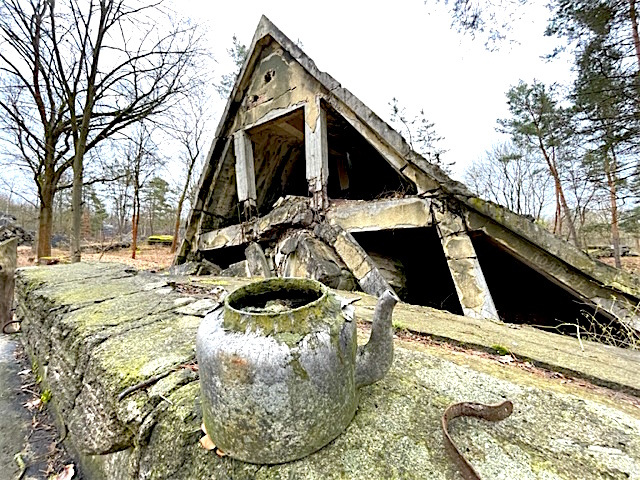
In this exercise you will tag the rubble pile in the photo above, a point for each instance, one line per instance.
(10, 229)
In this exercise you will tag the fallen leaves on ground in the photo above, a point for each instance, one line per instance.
(207, 443)
(33, 404)
(190, 366)
(67, 473)
(148, 257)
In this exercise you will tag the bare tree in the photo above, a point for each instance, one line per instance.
(511, 177)
(419, 133)
(189, 129)
(142, 159)
(35, 124)
(126, 69)
(78, 72)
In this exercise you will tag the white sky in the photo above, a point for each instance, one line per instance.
(404, 49)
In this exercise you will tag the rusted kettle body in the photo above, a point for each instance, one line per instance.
(280, 368)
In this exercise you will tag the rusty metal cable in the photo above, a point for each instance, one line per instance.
(492, 413)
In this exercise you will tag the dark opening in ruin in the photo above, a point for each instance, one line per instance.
(356, 170)
(224, 257)
(413, 262)
(279, 163)
(523, 295)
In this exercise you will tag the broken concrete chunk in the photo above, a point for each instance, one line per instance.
(302, 255)
(187, 268)
(208, 268)
(393, 272)
(239, 269)
(203, 267)
(374, 283)
(257, 261)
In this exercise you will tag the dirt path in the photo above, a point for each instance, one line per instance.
(15, 421)
(28, 439)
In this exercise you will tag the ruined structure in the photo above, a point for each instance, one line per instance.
(308, 181)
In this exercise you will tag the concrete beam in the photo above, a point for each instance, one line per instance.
(422, 181)
(363, 216)
(471, 286)
(354, 257)
(245, 172)
(289, 212)
(611, 302)
(316, 153)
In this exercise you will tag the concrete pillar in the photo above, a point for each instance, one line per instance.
(464, 266)
(8, 263)
(245, 172)
(316, 153)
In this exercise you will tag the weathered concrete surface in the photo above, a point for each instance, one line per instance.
(97, 330)
(612, 290)
(361, 216)
(8, 259)
(288, 212)
(601, 364)
(300, 254)
(277, 79)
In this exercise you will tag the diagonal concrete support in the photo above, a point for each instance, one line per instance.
(316, 153)
(245, 172)
(471, 286)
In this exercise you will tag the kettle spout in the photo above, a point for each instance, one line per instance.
(374, 359)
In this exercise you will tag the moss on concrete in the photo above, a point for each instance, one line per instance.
(288, 325)
(557, 431)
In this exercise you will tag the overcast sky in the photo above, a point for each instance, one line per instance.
(404, 49)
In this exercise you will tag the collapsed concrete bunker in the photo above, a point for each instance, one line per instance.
(302, 179)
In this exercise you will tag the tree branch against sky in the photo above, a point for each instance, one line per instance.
(34, 116)
(75, 73)
(489, 20)
(190, 130)
(129, 66)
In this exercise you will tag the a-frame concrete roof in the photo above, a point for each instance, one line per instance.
(562, 263)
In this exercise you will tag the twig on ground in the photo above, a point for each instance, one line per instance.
(145, 383)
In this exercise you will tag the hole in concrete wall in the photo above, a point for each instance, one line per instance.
(279, 164)
(522, 295)
(356, 169)
(413, 262)
(269, 75)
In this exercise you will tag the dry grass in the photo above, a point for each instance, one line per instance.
(148, 257)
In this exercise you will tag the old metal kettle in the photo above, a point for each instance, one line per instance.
(280, 368)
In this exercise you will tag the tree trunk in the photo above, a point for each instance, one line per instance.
(176, 228)
(560, 194)
(45, 220)
(634, 30)
(557, 221)
(76, 206)
(613, 199)
(567, 213)
(134, 221)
